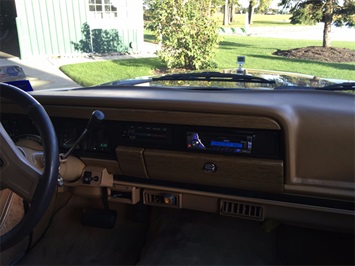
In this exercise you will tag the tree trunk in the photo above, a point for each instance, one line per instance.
(225, 17)
(326, 34)
(250, 12)
(231, 13)
(328, 20)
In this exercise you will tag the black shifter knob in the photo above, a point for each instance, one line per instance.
(96, 118)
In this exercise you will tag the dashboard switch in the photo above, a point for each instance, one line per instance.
(87, 177)
(96, 176)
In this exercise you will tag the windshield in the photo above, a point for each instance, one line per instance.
(256, 79)
(102, 42)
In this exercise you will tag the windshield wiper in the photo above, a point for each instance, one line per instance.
(346, 86)
(215, 76)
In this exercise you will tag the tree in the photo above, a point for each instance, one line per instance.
(251, 7)
(330, 12)
(232, 6)
(188, 36)
(225, 14)
(228, 10)
(264, 5)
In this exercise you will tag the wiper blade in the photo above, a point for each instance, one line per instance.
(215, 76)
(346, 86)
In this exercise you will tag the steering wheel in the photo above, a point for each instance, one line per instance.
(19, 175)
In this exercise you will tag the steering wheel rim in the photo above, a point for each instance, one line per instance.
(46, 183)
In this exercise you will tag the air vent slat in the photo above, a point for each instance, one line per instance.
(241, 209)
(230, 207)
(252, 211)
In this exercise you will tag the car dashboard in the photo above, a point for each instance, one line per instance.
(259, 155)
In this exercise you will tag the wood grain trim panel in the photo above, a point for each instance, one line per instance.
(233, 172)
(130, 160)
(335, 193)
(170, 117)
(5, 201)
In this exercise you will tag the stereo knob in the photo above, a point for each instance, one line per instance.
(210, 167)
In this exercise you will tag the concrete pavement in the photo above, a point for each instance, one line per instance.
(44, 73)
(41, 73)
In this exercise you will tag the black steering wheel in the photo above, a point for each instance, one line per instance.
(19, 175)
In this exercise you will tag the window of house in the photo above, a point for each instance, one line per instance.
(103, 9)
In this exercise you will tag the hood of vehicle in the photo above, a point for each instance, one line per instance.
(281, 79)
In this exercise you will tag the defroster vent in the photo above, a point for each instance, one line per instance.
(241, 209)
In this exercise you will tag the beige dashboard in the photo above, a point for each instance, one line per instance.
(310, 179)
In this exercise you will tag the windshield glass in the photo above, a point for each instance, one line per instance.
(101, 42)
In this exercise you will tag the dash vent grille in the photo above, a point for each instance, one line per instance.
(241, 209)
(161, 199)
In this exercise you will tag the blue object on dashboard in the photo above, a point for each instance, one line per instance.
(14, 75)
(22, 84)
(11, 73)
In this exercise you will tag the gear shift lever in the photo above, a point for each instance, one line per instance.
(96, 118)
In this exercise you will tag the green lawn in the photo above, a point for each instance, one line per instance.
(258, 52)
(88, 74)
(259, 20)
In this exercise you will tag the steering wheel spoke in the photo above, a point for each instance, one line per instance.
(16, 172)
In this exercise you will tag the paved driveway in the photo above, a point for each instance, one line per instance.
(41, 73)
(304, 32)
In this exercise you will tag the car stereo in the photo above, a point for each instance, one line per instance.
(219, 142)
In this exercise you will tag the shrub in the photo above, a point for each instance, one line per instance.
(187, 34)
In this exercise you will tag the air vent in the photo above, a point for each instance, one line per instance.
(162, 198)
(241, 209)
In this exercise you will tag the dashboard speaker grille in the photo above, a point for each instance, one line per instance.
(241, 209)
